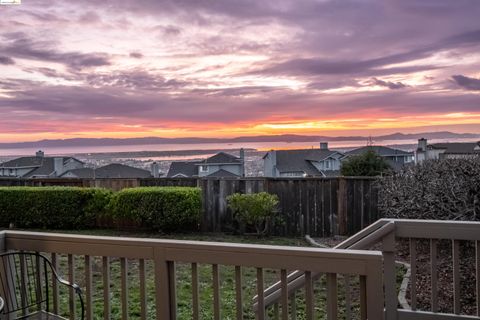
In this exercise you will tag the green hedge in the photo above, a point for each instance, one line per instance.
(159, 208)
(52, 207)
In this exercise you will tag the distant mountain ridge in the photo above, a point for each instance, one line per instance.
(85, 142)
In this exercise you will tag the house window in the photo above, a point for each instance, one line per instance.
(327, 164)
(292, 174)
(203, 168)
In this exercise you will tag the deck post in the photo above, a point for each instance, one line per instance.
(391, 300)
(162, 285)
(374, 291)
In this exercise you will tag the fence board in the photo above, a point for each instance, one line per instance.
(320, 207)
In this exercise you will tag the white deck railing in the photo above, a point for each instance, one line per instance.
(385, 234)
(90, 259)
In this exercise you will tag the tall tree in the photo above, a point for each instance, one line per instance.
(368, 163)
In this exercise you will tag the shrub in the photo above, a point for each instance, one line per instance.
(446, 189)
(51, 207)
(255, 209)
(159, 208)
(364, 165)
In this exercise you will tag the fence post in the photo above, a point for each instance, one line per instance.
(342, 206)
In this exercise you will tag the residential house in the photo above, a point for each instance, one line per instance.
(39, 166)
(449, 150)
(219, 165)
(303, 162)
(183, 169)
(110, 171)
(396, 158)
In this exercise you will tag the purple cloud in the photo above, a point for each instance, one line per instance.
(467, 82)
(228, 61)
(136, 55)
(388, 84)
(6, 60)
(24, 47)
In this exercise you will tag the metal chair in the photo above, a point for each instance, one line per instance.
(26, 281)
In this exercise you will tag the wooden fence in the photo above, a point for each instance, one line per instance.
(320, 207)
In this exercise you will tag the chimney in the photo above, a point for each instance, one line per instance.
(242, 159)
(40, 154)
(274, 162)
(323, 145)
(58, 166)
(422, 144)
(155, 170)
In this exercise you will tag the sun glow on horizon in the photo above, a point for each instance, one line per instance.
(338, 126)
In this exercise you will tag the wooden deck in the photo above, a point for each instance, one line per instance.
(314, 274)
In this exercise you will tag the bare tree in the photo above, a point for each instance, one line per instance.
(447, 189)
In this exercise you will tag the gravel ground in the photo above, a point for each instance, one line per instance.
(444, 274)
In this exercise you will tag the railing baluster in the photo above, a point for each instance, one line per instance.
(477, 271)
(195, 292)
(172, 280)
(106, 287)
(238, 292)
(216, 292)
(309, 295)
(413, 276)
(332, 296)
(261, 298)
(293, 306)
(363, 298)
(124, 287)
(456, 276)
(71, 279)
(143, 289)
(55, 284)
(348, 298)
(88, 286)
(434, 275)
(284, 283)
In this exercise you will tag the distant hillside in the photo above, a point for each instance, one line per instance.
(85, 142)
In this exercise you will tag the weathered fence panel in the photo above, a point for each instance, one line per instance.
(320, 207)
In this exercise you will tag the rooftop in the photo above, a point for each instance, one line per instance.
(300, 160)
(380, 150)
(457, 147)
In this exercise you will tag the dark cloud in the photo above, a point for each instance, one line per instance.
(26, 48)
(6, 60)
(89, 17)
(388, 84)
(223, 106)
(43, 17)
(134, 80)
(373, 66)
(136, 55)
(168, 30)
(467, 82)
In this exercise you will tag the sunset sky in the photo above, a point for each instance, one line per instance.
(224, 68)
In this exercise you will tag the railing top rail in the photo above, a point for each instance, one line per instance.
(436, 229)
(362, 234)
(168, 243)
(290, 258)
